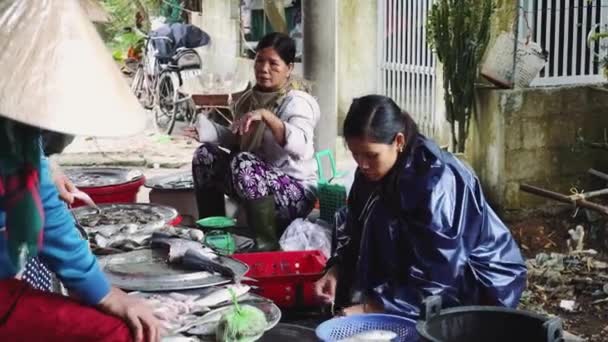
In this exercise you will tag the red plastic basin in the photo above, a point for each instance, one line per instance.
(287, 278)
(121, 193)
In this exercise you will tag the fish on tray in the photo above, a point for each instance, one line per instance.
(207, 324)
(176, 248)
(196, 259)
(131, 241)
(372, 335)
(174, 309)
(180, 312)
(183, 232)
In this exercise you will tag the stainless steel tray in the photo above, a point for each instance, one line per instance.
(177, 181)
(147, 270)
(92, 177)
(166, 213)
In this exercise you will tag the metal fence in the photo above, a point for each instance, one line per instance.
(407, 66)
(561, 27)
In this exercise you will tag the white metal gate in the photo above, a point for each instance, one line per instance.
(561, 27)
(406, 70)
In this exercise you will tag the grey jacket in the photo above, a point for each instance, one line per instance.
(300, 112)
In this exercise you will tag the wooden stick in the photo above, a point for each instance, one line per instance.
(563, 198)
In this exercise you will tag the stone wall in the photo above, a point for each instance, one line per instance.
(529, 136)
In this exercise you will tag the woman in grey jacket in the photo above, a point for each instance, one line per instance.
(266, 159)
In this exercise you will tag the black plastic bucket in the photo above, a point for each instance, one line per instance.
(485, 323)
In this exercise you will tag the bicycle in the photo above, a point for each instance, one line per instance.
(148, 68)
(158, 79)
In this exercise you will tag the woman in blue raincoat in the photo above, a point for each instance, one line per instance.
(417, 224)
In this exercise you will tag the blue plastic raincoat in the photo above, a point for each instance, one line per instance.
(426, 229)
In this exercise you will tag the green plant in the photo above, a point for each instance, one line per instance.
(123, 14)
(459, 32)
(597, 38)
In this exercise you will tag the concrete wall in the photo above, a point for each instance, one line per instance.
(529, 136)
(357, 52)
(219, 18)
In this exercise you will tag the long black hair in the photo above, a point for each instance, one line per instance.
(284, 45)
(379, 119)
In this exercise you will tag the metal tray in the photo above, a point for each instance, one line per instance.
(163, 182)
(288, 333)
(168, 214)
(147, 270)
(92, 177)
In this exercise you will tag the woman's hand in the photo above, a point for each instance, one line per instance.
(325, 288)
(136, 314)
(243, 125)
(371, 306)
(192, 132)
(64, 185)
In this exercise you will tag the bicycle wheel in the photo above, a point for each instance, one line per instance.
(138, 82)
(167, 96)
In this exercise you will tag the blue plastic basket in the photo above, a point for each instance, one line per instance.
(344, 327)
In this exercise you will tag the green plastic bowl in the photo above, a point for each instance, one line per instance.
(216, 222)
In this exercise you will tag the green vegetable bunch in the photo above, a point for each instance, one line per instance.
(241, 323)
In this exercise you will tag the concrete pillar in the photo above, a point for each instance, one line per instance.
(320, 59)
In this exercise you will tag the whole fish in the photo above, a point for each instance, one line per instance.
(106, 230)
(372, 335)
(176, 248)
(222, 295)
(199, 260)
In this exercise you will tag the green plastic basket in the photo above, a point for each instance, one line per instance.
(332, 197)
(221, 242)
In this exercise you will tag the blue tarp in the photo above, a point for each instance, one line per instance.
(426, 229)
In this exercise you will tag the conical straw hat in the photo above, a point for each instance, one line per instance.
(57, 74)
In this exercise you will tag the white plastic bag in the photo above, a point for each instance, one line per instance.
(303, 235)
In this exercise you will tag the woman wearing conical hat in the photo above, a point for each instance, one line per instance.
(57, 76)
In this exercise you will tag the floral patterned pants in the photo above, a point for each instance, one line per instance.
(244, 176)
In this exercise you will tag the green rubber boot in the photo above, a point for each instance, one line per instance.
(261, 218)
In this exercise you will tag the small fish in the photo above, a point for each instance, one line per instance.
(177, 247)
(106, 230)
(129, 228)
(222, 295)
(196, 235)
(204, 329)
(372, 336)
(209, 320)
(101, 241)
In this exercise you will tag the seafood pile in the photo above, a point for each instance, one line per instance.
(116, 215)
(372, 335)
(183, 183)
(124, 237)
(173, 182)
(184, 233)
(191, 313)
(121, 227)
(98, 177)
